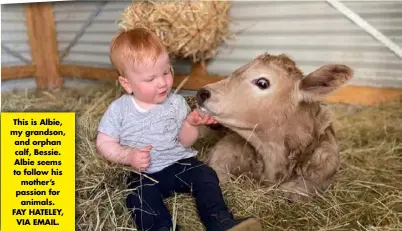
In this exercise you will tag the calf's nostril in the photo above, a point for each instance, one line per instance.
(202, 95)
(205, 94)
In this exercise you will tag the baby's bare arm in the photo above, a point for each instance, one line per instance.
(110, 148)
(188, 134)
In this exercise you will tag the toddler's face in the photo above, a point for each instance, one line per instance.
(151, 82)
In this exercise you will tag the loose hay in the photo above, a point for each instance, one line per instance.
(366, 196)
(189, 29)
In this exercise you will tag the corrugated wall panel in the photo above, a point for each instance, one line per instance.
(314, 34)
(93, 47)
(14, 35)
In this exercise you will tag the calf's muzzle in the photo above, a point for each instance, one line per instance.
(202, 95)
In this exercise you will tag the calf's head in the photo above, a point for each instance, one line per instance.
(267, 91)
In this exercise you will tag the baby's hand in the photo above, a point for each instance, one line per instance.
(195, 119)
(140, 158)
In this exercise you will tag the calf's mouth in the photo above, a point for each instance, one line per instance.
(202, 96)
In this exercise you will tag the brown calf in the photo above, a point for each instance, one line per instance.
(281, 132)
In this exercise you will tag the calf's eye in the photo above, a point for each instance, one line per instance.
(262, 83)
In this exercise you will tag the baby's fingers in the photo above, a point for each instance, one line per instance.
(144, 166)
(205, 119)
(211, 121)
(143, 155)
(146, 160)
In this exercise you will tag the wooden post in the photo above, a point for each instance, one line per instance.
(199, 77)
(43, 44)
(199, 69)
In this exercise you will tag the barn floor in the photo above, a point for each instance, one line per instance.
(366, 196)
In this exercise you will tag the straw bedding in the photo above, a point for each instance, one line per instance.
(366, 196)
(189, 29)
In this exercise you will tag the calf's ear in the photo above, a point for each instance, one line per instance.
(324, 81)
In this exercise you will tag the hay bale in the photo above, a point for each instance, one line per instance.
(366, 196)
(189, 29)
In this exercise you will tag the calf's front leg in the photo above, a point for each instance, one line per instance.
(232, 156)
(318, 173)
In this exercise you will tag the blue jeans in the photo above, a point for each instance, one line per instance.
(186, 176)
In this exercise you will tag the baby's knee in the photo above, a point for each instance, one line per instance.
(139, 195)
(133, 200)
(208, 175)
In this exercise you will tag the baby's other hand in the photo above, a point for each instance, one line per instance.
(140, 158)
(195, 119)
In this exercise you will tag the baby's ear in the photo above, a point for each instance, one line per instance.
(125, 84)
(324, 81)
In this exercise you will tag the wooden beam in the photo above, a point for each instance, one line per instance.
(88, 72)
(364, 95)
(17, 72)
(348, 94)
(43, 44)
(194, 82)
(199, 69)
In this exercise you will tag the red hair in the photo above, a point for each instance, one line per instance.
(135, 45)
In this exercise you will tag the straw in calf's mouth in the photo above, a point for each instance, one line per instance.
(181, 84)
(203, 111)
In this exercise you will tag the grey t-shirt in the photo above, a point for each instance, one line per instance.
(158, 126)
